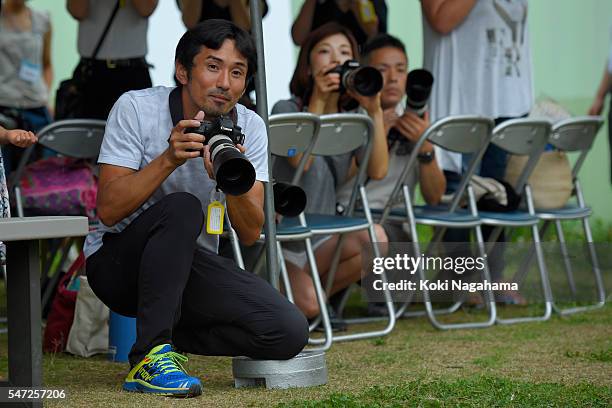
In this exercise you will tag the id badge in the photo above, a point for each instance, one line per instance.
(215, 214)
(30, 72)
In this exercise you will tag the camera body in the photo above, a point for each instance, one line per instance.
(364, 80)
(222, 125)
(234, 173)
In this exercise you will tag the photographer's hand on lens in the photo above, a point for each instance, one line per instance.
(208, 165)
(370, 103)
(411, 126)
(184, 146)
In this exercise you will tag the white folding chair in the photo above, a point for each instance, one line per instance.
(462, 134)
(340, 134)
(526, 137)
(292, 134)
(575, 135)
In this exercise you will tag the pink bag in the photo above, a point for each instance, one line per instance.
(59, 186)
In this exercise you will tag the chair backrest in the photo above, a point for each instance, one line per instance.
(342, 133)
(292, 134)
(576, 135)
(463, 134)
(468, 134)
(77, 138)
(525, 137)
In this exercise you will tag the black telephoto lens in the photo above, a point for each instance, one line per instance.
(418, 89)
(289, 200)
(234, 173)
(366, 81)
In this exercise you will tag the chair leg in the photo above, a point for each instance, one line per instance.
(234, 241)
(539, 253)
(601, 294)
(401, 312)
(541, 267)
(284, 275)
(388, 299)
(325, 343)
(566, 260)
(521, 273)
(489, 301)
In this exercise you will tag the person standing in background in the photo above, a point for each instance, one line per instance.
(478, 52)
(120, 64)
(26, 72)
(364, 18)
(236, 11)
(605, 87)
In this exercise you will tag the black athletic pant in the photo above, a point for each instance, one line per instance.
(191, 297)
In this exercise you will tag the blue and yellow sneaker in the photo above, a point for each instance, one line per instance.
(161, 372)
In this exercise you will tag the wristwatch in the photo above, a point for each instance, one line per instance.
(426, 157)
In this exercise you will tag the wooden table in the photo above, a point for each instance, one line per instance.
(21, 236)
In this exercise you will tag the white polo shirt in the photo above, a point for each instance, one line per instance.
(137, 132)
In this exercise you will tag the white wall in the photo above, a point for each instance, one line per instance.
(166, 27)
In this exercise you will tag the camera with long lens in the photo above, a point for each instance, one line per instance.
(364, 80)
(234, 173)
(418, 90)
(289, 199)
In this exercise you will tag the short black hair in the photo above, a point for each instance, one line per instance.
(381, 41)
(211, 34)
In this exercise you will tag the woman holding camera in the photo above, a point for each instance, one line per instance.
(315, 89)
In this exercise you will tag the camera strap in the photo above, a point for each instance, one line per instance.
(175, 103)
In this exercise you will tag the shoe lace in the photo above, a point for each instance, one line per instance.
(169, 362)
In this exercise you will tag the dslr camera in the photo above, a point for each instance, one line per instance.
(234, 173)
(364, 80)
(418, 89)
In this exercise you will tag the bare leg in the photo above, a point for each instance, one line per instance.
(349, 269)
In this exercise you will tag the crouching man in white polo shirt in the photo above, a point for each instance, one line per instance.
(153, 258)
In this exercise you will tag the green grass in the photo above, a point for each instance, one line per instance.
(470, 392)
(561, 363)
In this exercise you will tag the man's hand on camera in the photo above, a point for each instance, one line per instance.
(208, 162)
(184, 146)
(389, 118)
(412, 127)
